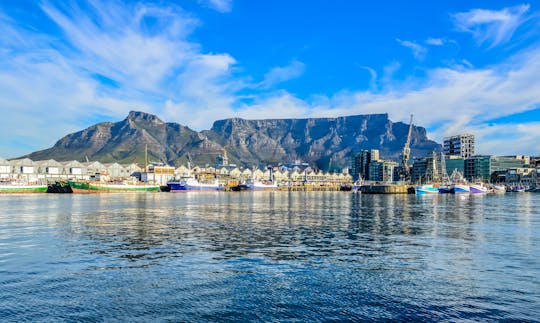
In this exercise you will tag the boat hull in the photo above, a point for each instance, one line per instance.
(426, 190)
(478, 189)
(177, 187)
(23, 188)
(85, 187)
(445, 190)
(460, 189)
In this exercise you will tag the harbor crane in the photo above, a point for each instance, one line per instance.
(406, 155)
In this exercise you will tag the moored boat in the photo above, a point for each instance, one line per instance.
(190, 184)
(426, 189)
(478, 189)
(16, 187)
(252, 185)
(59, 187)
(445, 189)
(100, 187)
(499, 189)
(460, 188)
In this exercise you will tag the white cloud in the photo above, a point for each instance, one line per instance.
(419, 51)
(283, 73)
(435, 41)
(144, 51)
(491, 26)
(218, 5)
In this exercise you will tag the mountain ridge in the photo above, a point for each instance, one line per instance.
(322, 142)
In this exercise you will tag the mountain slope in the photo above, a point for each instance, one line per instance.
(325, 142)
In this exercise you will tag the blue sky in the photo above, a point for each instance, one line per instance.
(458, 66)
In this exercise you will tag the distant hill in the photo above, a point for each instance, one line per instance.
(324, 142)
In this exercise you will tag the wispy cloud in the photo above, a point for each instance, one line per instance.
(218, 5)
(117, 57)
(283, 73)
(419, 51)
(435, 41)
(492, 27)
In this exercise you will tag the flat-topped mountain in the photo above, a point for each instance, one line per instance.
(324, 142)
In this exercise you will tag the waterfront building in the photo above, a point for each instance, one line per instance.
(419, 170)
(454, 163)
(460, 145)
(95, 167)
(50, 169)
(382, 170)
(133, 169)
(518, 175)
(361, 161)
(25, 169)
(158, 174)
(482, 167)
(5, 170)
(115, 170)
(247, 173)
(75, 170)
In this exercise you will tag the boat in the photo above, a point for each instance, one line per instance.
(253, 185)
(21, 187)
(426, 189)
(446, 189)
(60, 187)
(478, 188)
(499, 189)
(356, 186)
(111, 187)
(518, 189)
(190, 184)
(459, 184)
(460, 188)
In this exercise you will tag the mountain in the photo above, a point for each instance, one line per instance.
(324, 142)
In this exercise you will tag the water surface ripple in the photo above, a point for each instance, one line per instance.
(269, 256)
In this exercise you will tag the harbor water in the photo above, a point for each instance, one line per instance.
(269, 256)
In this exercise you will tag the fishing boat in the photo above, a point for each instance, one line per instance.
(357, 185)
(518, 189)
(459, 184)
(499, 189)
(253, 185)
(460, 188)
(21, 187)
(446, 189)
(478, 188)
(190, 184)
(426, 189)
(111, 187)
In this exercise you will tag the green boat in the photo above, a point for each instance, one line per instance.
(22, 188)
(99, 187)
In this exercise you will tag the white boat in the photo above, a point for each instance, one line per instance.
(253, 185)
(190, 184)
(460, 188)
(499, 189)
(478, 188)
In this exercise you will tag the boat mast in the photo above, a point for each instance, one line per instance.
(146, 157)
(406, 155)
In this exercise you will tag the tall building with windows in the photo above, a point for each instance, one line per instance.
(460, 145)
(361, 161)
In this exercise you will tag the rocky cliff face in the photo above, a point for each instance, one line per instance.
(325, 142)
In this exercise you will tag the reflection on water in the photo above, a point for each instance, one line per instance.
(269, 256)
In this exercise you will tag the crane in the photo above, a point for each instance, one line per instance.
(406, 156)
